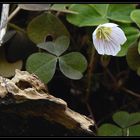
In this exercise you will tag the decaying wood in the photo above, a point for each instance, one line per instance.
(30, 96)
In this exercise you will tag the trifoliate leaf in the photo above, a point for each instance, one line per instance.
(43, 65)
(73, 65)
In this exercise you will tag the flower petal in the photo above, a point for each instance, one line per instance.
(109, 25)
(113, 48)
(110, 46)
(118, 35)
(98, 44)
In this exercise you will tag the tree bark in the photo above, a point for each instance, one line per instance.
(26, 95)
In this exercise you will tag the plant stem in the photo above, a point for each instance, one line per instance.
(91, 68)
(13, 13)
(130, 92)
(16, 27)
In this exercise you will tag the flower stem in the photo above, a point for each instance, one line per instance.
(91, 68)
(14, 13)
(16, 27)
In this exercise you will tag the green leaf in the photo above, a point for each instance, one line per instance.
(72, 65)
(62, 8)
(45, 25)
(101, 8)
(139, 47)
(109, 130)
(134, 130)
(59, 46)
(34, 7)
(132, 35)
(8, 69)
(87, 15)
(120, 12)
(135, 16)
(134, 118)
(124, 119)
(121, 118)
(138, 71)
(43, 65)
(133, 58)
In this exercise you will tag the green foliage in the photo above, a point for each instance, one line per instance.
(59, 46)
(139, 47)
(135, 16)
(43, 65)
(62, 8)
(133, 58)
(72, 65)
(124, 119)
(87, 16)
(129, 125)
(101, 8)
(95, 14)
(109, 130)
(134, 130)
(45, 25)
(120, 12)
(132, 35)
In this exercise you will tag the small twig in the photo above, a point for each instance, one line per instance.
(130, 92)
(14, 13)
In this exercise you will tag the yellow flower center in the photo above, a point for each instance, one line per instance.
(103, 33)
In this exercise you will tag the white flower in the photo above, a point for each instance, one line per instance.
(107, 39)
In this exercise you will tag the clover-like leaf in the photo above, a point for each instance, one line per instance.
(134, 130)
(135, 16)
(62, 8)
(59, 46)
(45, 25)
(134, 118)
(120, 12)
(95, 14)
(124, 119)
(72, 65)
(43, 65)
(132, 35)
(87, 15)
(139, 47)
(109, 130)
(8, 69)
(121, 118)
(101, 8)
(133, 58)
(34, 7)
